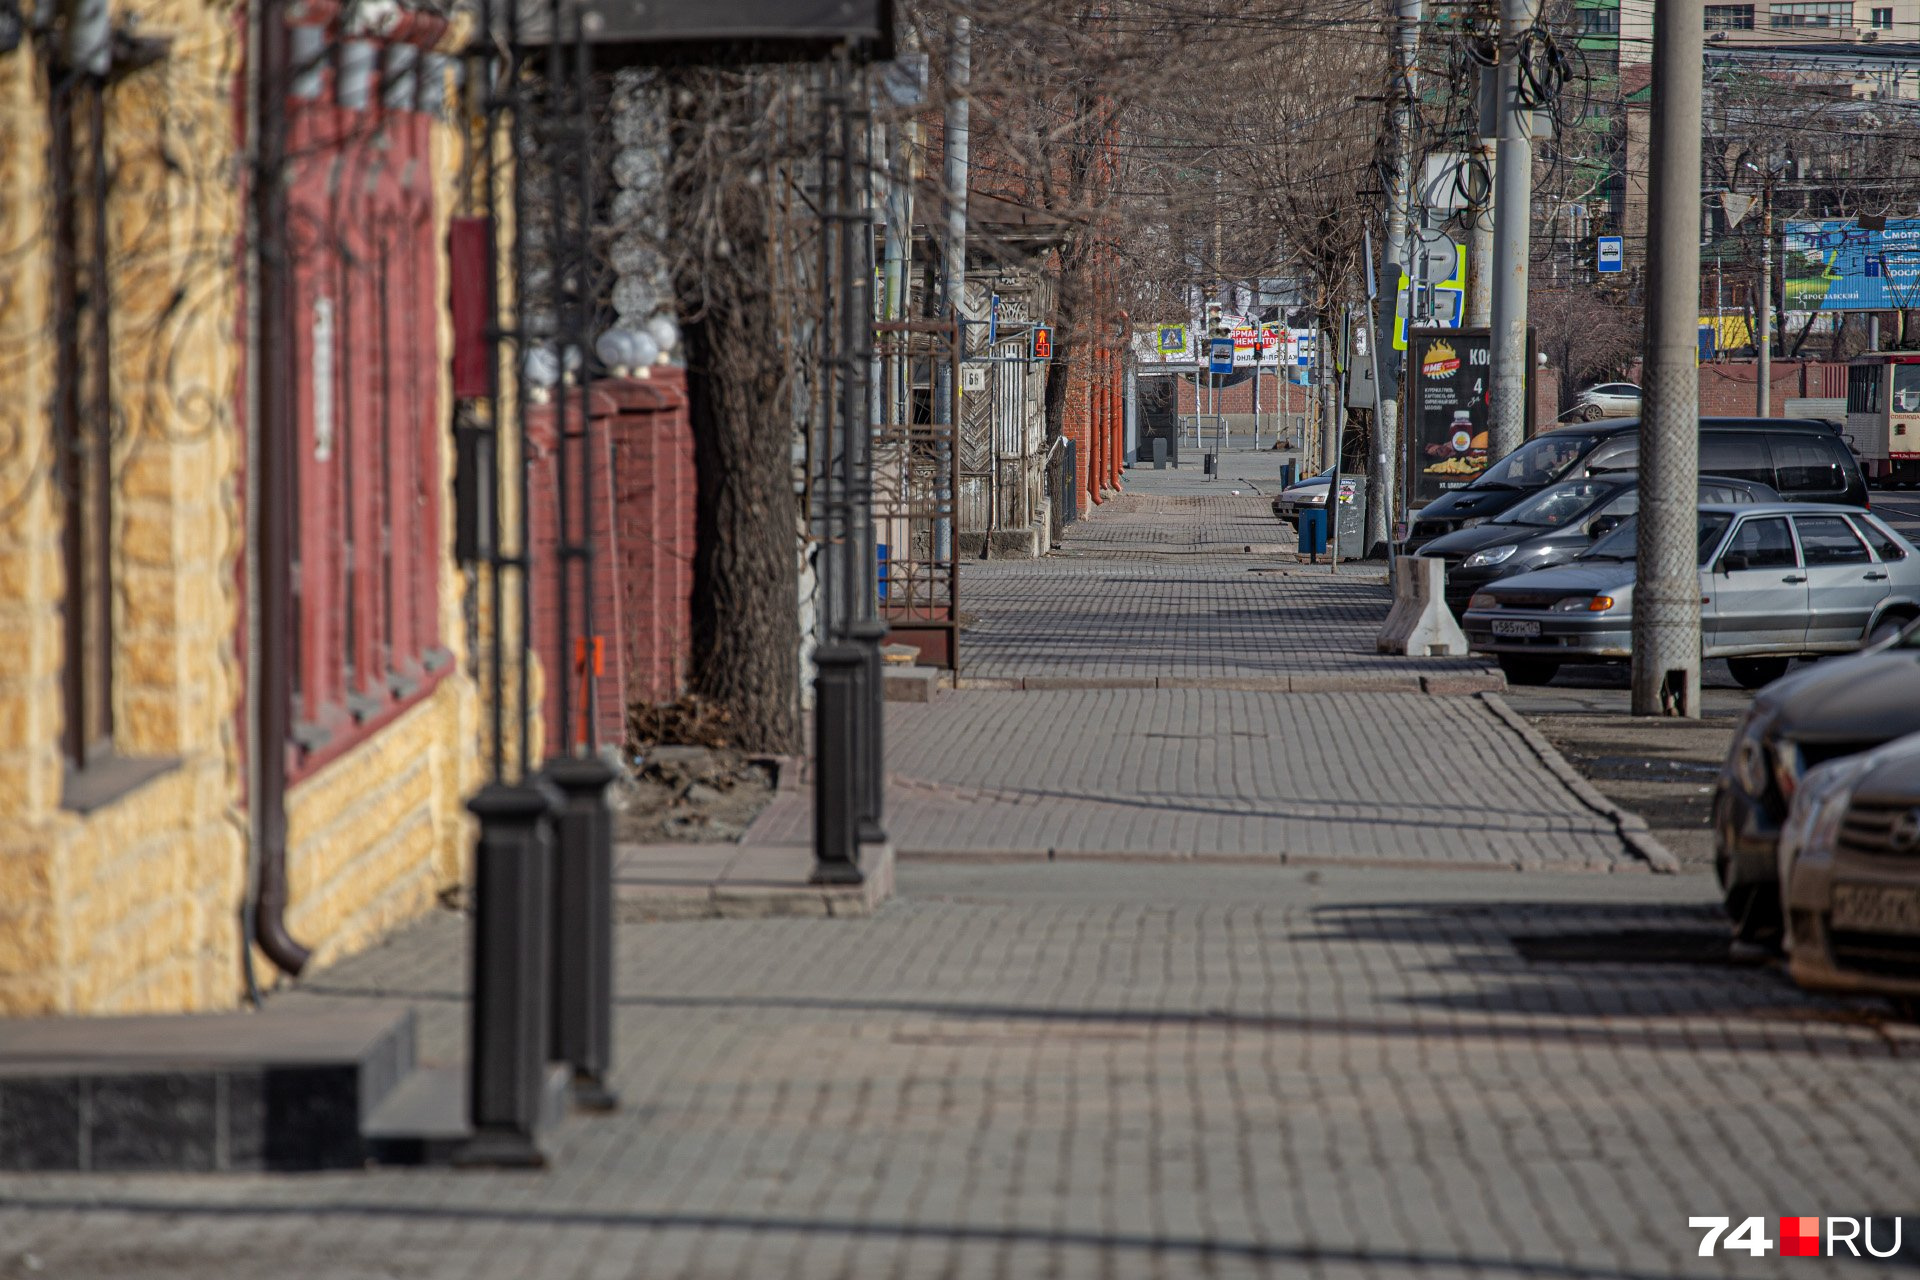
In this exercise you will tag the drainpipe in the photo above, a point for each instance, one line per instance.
(269, 483)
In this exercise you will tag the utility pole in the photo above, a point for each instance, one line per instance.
(1666, 603)
(1763, 380)
(1480, 214)
(953, 249)
(1386, 413)
(1513, 214)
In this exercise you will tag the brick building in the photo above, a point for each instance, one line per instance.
(236, 718)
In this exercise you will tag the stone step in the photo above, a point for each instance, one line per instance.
(197, 1093)
(911, 684)
(424, 1119)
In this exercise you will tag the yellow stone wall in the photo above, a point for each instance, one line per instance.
(135, 905)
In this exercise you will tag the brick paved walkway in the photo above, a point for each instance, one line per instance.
(1130, 1066)
(1126, 1071)
(1157, 582)
(1222, 774)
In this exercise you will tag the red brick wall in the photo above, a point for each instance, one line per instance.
(1727, 386)
(641, 451)
(1276, 395)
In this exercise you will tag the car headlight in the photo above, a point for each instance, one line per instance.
(1491, 555)
(1818, 810)
(1583, 604)
(1788, 765)
(1483, 600)
(1747, 761)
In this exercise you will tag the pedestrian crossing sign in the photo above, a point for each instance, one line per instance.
(1172, 339)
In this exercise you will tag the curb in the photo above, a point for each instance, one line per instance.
(1450, 684)
(1633, 829)
(1301, 859)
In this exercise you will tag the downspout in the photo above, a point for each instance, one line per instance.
(269, 489)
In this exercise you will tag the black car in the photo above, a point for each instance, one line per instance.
(1840, 707)
(1805, 459)
(1554, 525)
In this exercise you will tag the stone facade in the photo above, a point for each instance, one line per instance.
(125, 894)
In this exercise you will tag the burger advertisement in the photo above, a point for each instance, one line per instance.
(1448, 418)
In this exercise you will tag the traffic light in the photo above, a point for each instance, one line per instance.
(1043, 342)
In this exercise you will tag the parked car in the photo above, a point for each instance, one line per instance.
(1311, 492)
(1803, 458)
(1850, 863)
(1819, 714)
(1555, 525)
(1610, 400)
(1778, 580)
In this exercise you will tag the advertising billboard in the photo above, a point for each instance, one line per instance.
(1447, 375)
(1834, 264)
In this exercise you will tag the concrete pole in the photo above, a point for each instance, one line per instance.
(1386, 413)
(1512, 241)
(953, 248)
(1763, 340)
(1666, 597)
(1480, 239)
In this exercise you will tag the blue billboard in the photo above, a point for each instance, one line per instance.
(1836, 265)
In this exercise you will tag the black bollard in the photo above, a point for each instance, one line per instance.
(836, 798)
(869, 634)
(507, 1067)
(582, 987)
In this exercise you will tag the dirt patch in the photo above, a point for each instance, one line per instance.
(702, 795)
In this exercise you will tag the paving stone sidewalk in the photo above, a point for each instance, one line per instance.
(1223, 774)
(1141, 1070)
(1157, 583)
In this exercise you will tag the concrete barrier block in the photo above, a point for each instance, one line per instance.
(1420, 625)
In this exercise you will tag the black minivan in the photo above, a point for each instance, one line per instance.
(1804, 458)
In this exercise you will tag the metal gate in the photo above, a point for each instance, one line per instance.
(916, 474)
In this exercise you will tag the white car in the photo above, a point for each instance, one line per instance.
(1311, 492)
(1610, 400)
(1849, 860)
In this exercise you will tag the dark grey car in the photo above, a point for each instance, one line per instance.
(1555, 525)
(1839, 708)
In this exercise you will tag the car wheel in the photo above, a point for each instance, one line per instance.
(1521, 669)
(1755, 912)
(1755, 673)
(1887, 628)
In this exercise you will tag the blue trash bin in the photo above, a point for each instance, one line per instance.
(1286, 475)
(1313, 531)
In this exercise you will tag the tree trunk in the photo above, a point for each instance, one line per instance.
(746, 627)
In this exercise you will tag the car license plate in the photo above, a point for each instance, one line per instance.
(1875, 908)
(1515, 627)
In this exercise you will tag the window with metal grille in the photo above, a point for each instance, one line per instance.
(83, 412)
(1597, 22)
(365, 323)
(1729, 17)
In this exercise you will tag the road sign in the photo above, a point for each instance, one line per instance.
(993, 321)
(1611, 254)
(1220, 356)
(1437, 253)
(1171, 340)
(1043, 342)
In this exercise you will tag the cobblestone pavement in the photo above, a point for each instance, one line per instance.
(1136, 1071)
(1222, 774)
(1157, 582)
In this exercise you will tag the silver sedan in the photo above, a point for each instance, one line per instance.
(1778, 580)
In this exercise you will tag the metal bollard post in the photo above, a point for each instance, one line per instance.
(582, 977)
(836, 804)
(509, 1033)
(868, 633)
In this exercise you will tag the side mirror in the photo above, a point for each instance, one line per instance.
(1734, 562)
(1601, 526)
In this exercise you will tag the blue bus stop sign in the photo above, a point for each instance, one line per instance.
(1220, 356)
(1611, 255)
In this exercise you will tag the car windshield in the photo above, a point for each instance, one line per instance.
(1541, 460)
(1557, 505)
(1623, 542)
